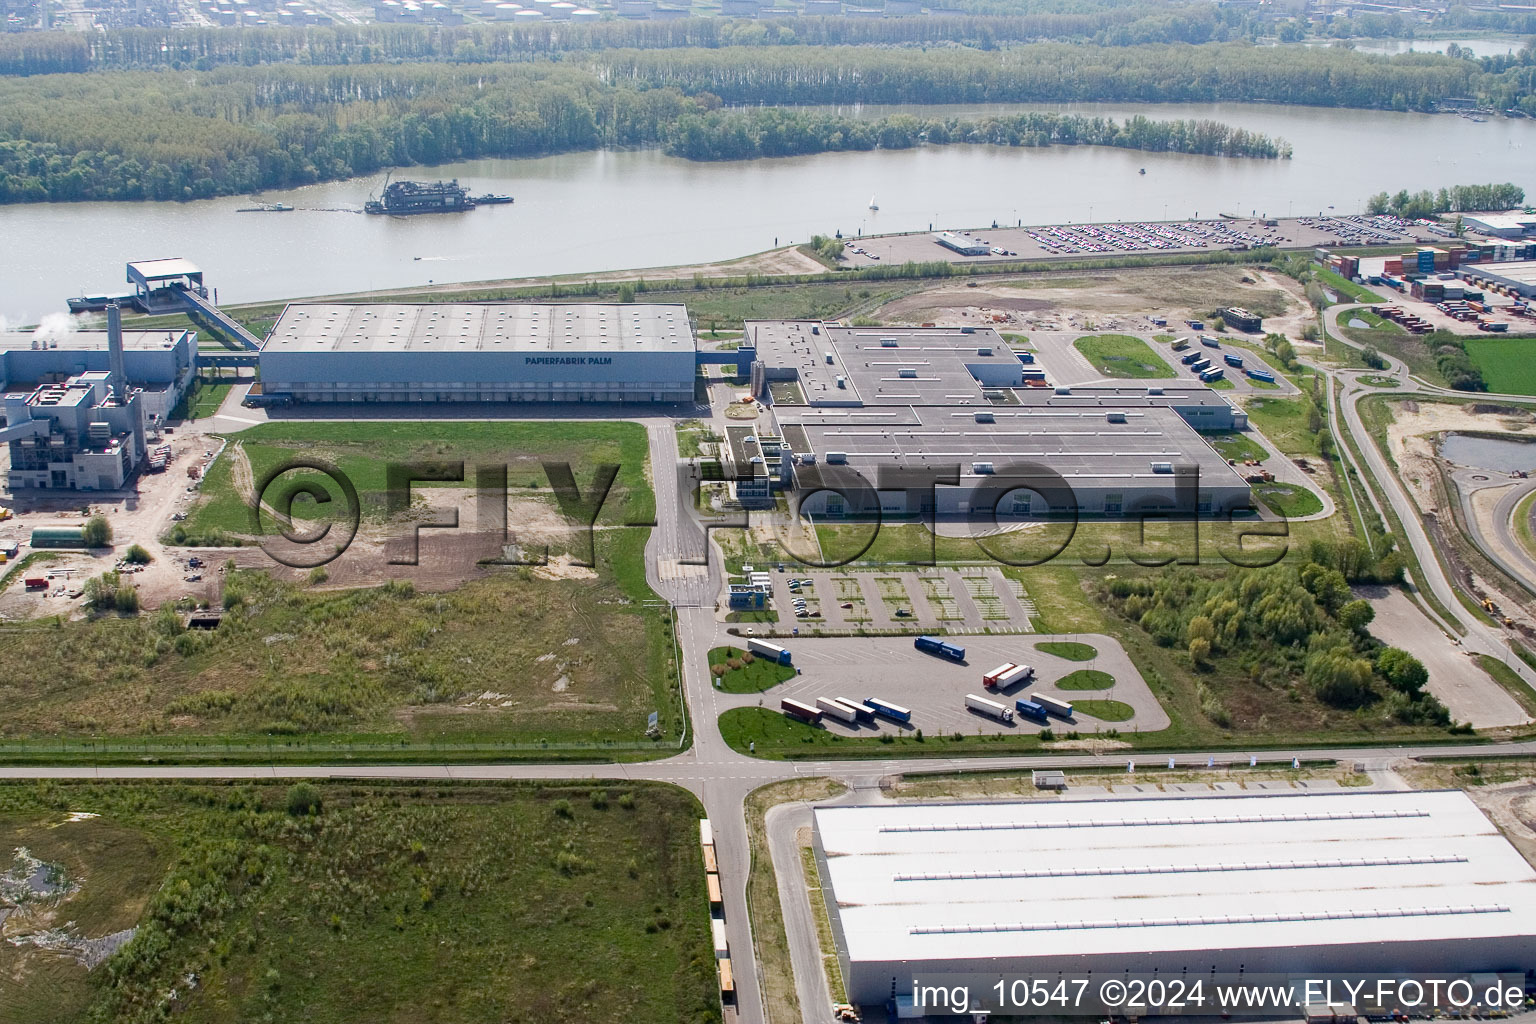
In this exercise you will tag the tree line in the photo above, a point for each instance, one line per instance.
(986, 24)
(1457, 199)
(146, 135)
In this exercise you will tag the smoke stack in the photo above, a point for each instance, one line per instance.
(121, 392)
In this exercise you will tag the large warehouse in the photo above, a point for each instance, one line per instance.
(480, 352)
(1252, 884)
(914, 400)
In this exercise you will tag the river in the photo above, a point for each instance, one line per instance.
(596, 211)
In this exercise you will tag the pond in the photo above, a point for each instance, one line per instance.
(1501, 455)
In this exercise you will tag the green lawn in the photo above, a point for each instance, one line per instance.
(510, 665)
(750, 676)
(1284, 421)
(1235, 444)
(202, 399)
(1068, 649)
(1086, 679)
(1350, 291)
(364, 451)
(1103, 710)
(1508, 364)
(1289, 500)
(1120, 355)
(439, 903)
(1379, 380)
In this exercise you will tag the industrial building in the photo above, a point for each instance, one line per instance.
(1514, 278)
(480, 352)
(896, 404)
(160, 364)
(1502, 225)
(1393, 882)
(85, 432)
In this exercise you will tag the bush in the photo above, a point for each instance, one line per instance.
(97, 532)
(303, 800)
(1402, 670)
(137, 555)
(318, 575)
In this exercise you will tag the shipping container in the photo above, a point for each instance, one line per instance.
(36, 583)
(864, 711)
(1051, 704)
(717, 932)
(943, 648)
(837, 709)
(1233, 359)
(772, 652)
(1030, 709)
(712, 883)
(991, 678)
(991, 708)
(895, 712)
(710, 863)
(804, 712)
(706, 832)
(727, 981)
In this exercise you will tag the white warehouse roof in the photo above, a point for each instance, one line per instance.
(956, 882)
(482, 327)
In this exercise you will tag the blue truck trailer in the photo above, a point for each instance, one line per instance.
(1264, 375)
(1233, 359)
(895, 712)
(943, 648)
(1029, 709)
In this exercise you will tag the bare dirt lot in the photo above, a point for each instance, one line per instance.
(1415, 426)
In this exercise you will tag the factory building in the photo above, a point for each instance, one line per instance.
(85, 432)
(160, 364)
(1513, 278)
(1513, 224)
(902, 407)
(480, 352)
(1188, 887)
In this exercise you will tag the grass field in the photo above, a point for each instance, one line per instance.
(1234, 444)
(507, 664)
(1103, 710)
(1289, 500)
(1068, 649)
(202, 399)
(440, 903)
(1350, 291)
(1507, 363)
(752, 674)
(1284, 421)
(1120, 355)
(1086, 679)
(364, 451)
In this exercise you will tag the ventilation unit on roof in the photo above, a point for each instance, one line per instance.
(1063, 391)
(984, 351)
(981, 467)
(1162, 467)
(837, 457)
(1154, 391)
(829, 357)
(985, 417)
(906, 371)
(842, 382)
(887, 342)
(1115, 417)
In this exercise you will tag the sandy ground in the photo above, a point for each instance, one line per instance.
(1411, 437)
(1100, 301)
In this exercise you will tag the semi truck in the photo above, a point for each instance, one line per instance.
(1212, 373)
(1233, 359)
(1005, 676)
(1026, 357)
(943, 648)
(1056, 707)
(1264, 375)
(895, 712)
(991, 708)
(773, 652)
(837, 709)
(804, 712)
(1190, 357)
(1209, 342)
(1200, 365)
(1181, 344)
(1030, 709)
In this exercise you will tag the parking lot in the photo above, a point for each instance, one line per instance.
(1079, 241)
(1064, 364)
(934, 688)
(971, 598)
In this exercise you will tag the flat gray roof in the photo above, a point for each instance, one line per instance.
(1079, 443)
(1521, 271)
(88, 341)
(160, 270)
(482, 327)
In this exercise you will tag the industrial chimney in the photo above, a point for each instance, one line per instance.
(121, 392)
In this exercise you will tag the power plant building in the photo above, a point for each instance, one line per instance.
(480, 352)
(903, 406)
(160, 364)
(1419, 884)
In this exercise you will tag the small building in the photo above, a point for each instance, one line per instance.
(961, 244)
(1501, 225)
(157, 282)
(1240, 319)
(58, 537)
(750, 597)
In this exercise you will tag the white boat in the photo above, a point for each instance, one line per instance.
(872, 204)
